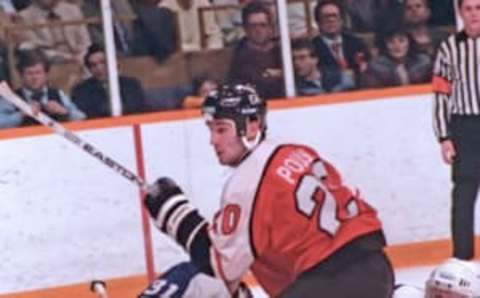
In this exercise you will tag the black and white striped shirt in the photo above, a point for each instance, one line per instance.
(456, 81)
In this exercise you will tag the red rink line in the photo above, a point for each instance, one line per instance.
(147, 235)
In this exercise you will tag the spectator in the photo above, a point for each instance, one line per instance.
(155, 30)
(187, 12)
(92, 95)
(416, 16)
(4, 73)
(310, 80)
(271, 5)
(339, 50)
(9, 115)
(60, 43)
(399, 62)
(122, 29)
(202, 85)
(33, 68)
(297, 23)
(8, 18)
(230, 21)
(256, 59)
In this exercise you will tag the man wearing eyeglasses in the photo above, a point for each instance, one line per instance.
(339, 50)
(257, 59)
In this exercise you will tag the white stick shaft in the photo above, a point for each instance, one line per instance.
(44, 119)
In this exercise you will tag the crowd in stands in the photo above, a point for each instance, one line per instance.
(35, 89)
(337, 45)
(91, 94)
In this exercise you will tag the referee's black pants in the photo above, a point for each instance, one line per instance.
(466, 181)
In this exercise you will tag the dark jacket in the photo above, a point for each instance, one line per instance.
(381, 71)
(331, 80)
(91, 96)
(352, 46)
(251, 66)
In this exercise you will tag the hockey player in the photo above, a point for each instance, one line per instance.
(284, 215)
(454, 278)
(408, 291)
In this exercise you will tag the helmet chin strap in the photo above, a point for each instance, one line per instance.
(251, 144)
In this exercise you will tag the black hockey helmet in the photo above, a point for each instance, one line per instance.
(238, 103)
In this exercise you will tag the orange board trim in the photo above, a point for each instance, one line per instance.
(166, 116)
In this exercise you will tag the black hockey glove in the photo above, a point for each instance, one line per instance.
(173, 284)
(163, 190)
(173, 215)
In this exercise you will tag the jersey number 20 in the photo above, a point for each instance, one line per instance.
(308, 190)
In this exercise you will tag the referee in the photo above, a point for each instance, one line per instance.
(456, 83)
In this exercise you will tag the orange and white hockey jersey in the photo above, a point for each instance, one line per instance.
(284, 210)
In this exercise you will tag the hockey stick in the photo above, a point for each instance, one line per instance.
(44, 119)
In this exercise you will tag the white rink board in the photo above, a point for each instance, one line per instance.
(66, 218)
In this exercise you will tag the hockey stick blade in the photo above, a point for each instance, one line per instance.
(44, 119)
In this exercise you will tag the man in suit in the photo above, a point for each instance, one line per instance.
(339, 50)
(92, 94)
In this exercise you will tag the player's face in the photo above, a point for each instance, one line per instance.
(227, 145)
(470, 13)
(35, 77)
